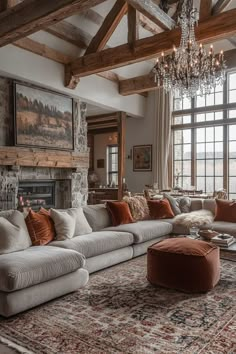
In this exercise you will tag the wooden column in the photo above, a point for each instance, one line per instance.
(121, 152)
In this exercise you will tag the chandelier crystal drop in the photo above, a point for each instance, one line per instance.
(190, 69)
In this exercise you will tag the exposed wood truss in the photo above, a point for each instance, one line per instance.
(69, 33)
(32, 15)
(148, 24)
(133, 24)
(205, 9)
(43, 50)
(6, 4)
(108, 27)
(154, 13)
(216, 27)
(147, 83)
(220, 6)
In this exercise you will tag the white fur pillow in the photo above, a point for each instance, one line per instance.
(195, 218)
(70, 223)
(14, 234)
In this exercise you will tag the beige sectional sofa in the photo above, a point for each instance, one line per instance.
(40, 273)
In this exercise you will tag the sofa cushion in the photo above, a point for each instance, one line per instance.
(160, 209)
(14, 235)
(40, 226)
(120, 213)
(70, 223)
(196, 204)
(173, 203)
(138, 207)
(97, 243)
(36, 265)
(209, 204)
(98, 216)
(145, 230)
(225, 210)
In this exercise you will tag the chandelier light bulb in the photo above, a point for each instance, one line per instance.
(190, 70)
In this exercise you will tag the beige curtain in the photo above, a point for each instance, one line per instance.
(162, 135)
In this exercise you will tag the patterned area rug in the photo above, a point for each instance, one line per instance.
(120, 312)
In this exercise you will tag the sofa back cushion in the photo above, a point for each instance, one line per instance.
(70, 223)
(98, 216)
(14, 235)
(209, 204)
(196, 204)
(40, 226)
(225, 210)
(160, 209)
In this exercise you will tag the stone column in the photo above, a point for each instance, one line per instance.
(79, 180)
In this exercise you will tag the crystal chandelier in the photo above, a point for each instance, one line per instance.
(190, 69)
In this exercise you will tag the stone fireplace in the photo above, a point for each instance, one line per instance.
(67, 170)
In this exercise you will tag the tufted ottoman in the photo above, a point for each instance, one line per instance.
(184, 264)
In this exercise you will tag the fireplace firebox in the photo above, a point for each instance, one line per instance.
(36, 194)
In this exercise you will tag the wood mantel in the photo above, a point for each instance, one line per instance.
(31, 157)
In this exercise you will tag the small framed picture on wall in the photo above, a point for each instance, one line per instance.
(142, 158)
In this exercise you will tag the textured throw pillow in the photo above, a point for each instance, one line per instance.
(160, 209)
(70, 223)
(14, 235)
(179, 205)
(225, 210)
(40, 226)
(174, 203)
(138, 207)
(120, 213)
(184, 204)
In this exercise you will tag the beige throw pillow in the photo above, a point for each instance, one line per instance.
(70, 223)
(14, 235)
(138, 207)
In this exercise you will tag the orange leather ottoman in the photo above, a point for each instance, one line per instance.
(184, 264)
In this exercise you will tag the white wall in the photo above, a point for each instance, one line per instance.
(23, 65)
(139, 132)
(101, 141)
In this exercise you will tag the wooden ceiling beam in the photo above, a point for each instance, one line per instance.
(6, 4)
(133, 26)
(148, 25)
(93, 16)
(220, 6)
(69, 33)
(49, 53)
(216, 27)
(137, 85)
(42, 50)
(146, 83)
(154, 13)
(33, 15)
(109, 25)
(205, 9)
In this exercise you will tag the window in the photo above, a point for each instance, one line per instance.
(112, 165)
(204, 140)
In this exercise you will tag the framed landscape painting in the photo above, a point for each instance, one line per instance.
(43, 119)
(142, 158)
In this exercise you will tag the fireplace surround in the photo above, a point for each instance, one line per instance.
(67, 170)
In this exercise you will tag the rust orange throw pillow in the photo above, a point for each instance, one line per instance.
(160, 209)
(40, 226)
(225, 210)
(120, 213)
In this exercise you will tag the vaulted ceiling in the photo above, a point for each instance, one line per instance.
(115, 39)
